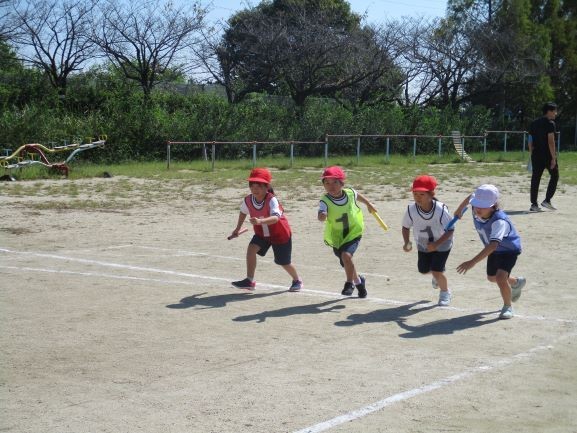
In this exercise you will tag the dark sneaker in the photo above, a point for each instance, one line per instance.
(361, 287)
(548, 205)
(348, 289)
(535, 208)
(244, 284)
(296, 286)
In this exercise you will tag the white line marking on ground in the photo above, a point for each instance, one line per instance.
(181, 253)
(309, 292)
(381, 404)
(95, 274)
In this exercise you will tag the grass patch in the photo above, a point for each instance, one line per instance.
(198, 179)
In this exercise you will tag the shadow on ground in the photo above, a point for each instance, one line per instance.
(218, 301)
(447, 326)
(385, 315)
(322, 307)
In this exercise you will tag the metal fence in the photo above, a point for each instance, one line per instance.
(490, 139)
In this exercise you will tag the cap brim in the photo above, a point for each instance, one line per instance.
(484, 204)
(421, 189)
(258, 179)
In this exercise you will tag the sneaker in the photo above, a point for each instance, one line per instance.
(548, 205)
(244, 284)
(348, 289)
(535, 208)
(444, 298)
(434, 283)
(296, 286)
(517, 287)
(361, 287)
(506, 312)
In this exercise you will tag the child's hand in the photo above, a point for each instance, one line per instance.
(465, 266)
(371, 208)
(431, 247)
(408, 246)
(255, 221)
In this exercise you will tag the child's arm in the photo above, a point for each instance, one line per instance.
(462, 206)
(406, 232)
(465, 266)
(239, 223)
(432, 246)
(366, 201)
(323, 211)
(273, 219)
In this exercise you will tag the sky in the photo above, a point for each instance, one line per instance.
(376, 11)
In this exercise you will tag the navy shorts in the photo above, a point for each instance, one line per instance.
(282, 252)
(350, 247)
(504, 261)
(432, 261)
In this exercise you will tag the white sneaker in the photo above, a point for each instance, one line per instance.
(516, 288)
(444, 298)
(548, 205)
(434, 283)
(506, 312)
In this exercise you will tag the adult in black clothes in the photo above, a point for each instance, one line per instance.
(543, 156)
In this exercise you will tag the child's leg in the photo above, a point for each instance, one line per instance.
(441, 280)
(251, 260)
(291, 271)
(350, 271)
(502, 280)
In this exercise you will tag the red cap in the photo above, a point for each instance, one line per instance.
(261, 175)
(334, 172)
(424, 183)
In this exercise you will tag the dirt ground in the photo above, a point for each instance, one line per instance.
(123, 320)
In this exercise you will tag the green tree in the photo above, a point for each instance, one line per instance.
(300, 48)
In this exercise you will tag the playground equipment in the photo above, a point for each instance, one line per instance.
(27, 154)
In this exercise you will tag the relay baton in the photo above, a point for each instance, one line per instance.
(380, 221)
(452, 223)
(240, 232)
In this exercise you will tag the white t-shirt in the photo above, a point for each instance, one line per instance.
(428, 226)
(274, 210)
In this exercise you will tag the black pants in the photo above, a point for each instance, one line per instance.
(539, 166)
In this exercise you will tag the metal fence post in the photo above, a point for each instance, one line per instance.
(558, 141)
(168, 155)
(462, 148)
(524, 140)
(326, 149)
(505, 143)
(358, 150)
(388, 149)
(414, 147)
(439, 147)
(254, 155)
(213, 155)
(292, 153)
(485, 145)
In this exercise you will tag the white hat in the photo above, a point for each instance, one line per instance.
(485, 196)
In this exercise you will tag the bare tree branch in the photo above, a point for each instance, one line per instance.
(54, 36)
(144, 40)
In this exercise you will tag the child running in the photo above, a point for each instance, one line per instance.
(428, 218)
(502, 244)
(344, 224)
(271, 228)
